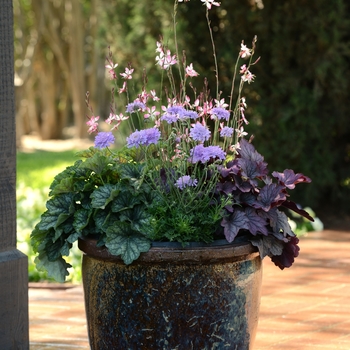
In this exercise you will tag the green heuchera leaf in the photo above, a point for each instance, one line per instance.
(70, 172)
(62, 204)
(88, 153)
(100, 218)
(50, 253)
(97, 163)
(132, 173)
(137, 217)
(57, 249)
(125, 200)
(48, 221)
(122, 240)
(57, 269)
(81, 219)
(39, 238)
(103, 195)
(65, 186)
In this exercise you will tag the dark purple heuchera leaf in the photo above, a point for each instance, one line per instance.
(252, 169)
(289, 179)
(256, 224)
(247, 151)
(230, 169)
(247, 198)
(270, 194)
(226, 187)
(267, 245)
(290, 251)
(243, 186)
(269, 215)
(280, 224)
(292, 206)
(233, 223)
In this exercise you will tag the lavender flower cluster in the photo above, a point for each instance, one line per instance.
(143, 138)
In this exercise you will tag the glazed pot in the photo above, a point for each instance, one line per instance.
(198, 297)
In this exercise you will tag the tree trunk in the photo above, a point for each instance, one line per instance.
(50, 128)
(76, 59)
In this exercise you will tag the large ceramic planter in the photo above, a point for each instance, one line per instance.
(173, 298)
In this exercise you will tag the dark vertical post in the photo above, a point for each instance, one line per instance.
(13, 264)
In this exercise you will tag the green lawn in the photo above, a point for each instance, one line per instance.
(35, 172)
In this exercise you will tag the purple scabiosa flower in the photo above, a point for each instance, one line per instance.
(226, 131)
(196, 154)
(143, 138)
(104, 139)
(203, 154)
(190, 115)
(135, 107)
(213, 152)
(185, 181)
(152, 136)
(169, 118)
(220, 113)
(173, 114)
(200, 132)
(136, 139)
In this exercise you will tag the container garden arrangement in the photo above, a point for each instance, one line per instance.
(173, 226)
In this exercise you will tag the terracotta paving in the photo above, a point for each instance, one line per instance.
(306, 307)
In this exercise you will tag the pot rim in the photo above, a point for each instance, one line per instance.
(194, 253)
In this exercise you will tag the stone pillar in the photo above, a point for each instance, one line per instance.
(14, 333)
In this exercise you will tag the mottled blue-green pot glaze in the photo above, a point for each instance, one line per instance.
(173, 298)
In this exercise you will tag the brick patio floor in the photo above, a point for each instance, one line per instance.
(306, 307)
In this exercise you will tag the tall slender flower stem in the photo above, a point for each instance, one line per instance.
(214, 54)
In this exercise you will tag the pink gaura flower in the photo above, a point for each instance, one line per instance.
(92, 123)
(111, 118)
(159, 47)
(110, 70)
(190, 72)
(205, 109)
(248, 76)
(151, 113)
(117, 119)
(245, 52)
(127, 74)
(242, 108)
(243, 69)
(154, 96)
(209, 3)
(165, 60)
(123, 88)
(241, 132)
(187, 102)
(143, 97)
(221, 103)
(243, 116)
